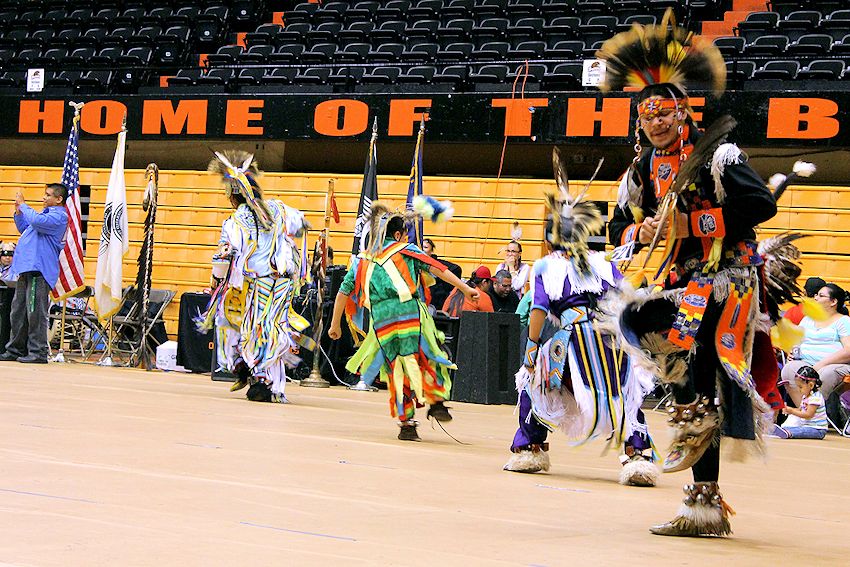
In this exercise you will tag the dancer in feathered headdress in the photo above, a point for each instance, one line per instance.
(390, 279)
(577, 381)
(256, 273)
(695, 197)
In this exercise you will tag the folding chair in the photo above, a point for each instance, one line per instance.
(81, 325)
(129, 339)
(844, 431)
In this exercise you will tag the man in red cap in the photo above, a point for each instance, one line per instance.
(481, 279)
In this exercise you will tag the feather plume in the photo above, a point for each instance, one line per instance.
(780, 182)
(665, 53)
(572, 220)
(781, 268)
(786, 335)
(813, 309)
(241, 179)
(431, 208)
(804, 168)
(516, 231)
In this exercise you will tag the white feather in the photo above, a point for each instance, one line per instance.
(804, 168)
(247, 163)
(516, 231)
(776, 180)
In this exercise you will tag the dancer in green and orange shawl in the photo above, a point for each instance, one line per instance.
(390, 279)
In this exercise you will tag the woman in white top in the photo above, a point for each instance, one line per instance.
(514, 264)
(825, 347)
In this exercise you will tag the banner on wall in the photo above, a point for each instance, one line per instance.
(789, 119)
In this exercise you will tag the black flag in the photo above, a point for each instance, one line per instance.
(368, 194)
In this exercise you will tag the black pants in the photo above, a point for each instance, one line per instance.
(29, 316)
(702, 381)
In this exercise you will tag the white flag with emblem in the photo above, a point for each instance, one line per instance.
(114, 239)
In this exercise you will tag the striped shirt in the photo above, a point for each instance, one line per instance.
(820, 343)
(818, 421)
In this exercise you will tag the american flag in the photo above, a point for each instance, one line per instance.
(71, 258)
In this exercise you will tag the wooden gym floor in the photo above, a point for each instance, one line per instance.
(102, 466)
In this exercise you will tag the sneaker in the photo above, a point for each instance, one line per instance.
(8, 357)
(29, 359)
(780, 432)
(440, 412)
(408, 432)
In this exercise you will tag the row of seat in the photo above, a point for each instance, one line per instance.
(785, 7)
(451, 78)
(807, 46)
(787, 70)
(592, 29)
(364, 53)
(415, 10)
(795, 24)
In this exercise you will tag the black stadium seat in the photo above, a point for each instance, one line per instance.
(286, 54)
(564, 77)
(822, 69)
(453, 76)
(491, 51)
(330, 12)
(811, 45)
(381, 76)
(731, 46)
(527, 50)
(425, 10)
(456, 52)
(489, 75)
(837, 24)
(799, 23)
(420, 75)
(490, 9)
(256, 55)
(455, 31)
(249, 77)
(185, 77)
(325, 32)
(457, 9)
(420, 53)
(757, 24)
(386, 53)
(226, 55)
(356, 32)
(279, 76)
(780, 70)
(346, 76)
(319, 54)
(767, 46)
(353, 53)
(739, 71)
(301, 14)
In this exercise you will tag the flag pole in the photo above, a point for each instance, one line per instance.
(315, 380)
(60, 356)
(106, 359)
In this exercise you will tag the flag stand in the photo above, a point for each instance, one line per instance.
(315, 380)
(106, 359)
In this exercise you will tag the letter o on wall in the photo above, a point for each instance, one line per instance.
(342, 117)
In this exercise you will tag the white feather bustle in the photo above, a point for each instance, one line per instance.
(725, 154)
(776, 180)
(639, 472)
(804, 168)
(528, 462)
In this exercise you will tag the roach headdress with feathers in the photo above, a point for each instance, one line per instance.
(239, 173)
(649, 55)
(570, 221)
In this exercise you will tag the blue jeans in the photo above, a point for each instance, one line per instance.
(805, 432)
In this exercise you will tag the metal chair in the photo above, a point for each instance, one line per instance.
(129, 340)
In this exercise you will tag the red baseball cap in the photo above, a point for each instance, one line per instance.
(482, 273)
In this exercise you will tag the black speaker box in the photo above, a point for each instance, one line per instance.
(487, 358)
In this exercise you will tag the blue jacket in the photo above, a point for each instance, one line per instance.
(42, 239)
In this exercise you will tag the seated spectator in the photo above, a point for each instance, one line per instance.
(523, 309)
(808, 422)
(502, 295)
(812, 287)
(513, 263)
(7, 252)
(456, 302)
(825, 346)
(440, 290)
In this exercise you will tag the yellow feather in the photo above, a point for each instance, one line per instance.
(813, 309)
(637, 213)
(786, 335)
(637, 279)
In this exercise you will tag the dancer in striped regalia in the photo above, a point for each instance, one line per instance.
(391, 279)
(578, 381)
(256, 268)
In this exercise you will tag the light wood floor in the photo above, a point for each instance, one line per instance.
(118, 467)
